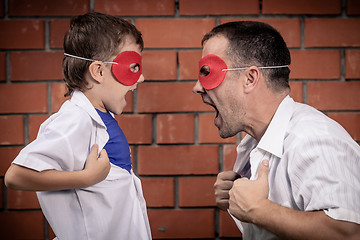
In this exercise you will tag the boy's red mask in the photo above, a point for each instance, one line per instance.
(122, 70)
(211, 72)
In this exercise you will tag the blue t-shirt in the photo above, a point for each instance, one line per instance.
(117, 147)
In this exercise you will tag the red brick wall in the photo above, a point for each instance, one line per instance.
(176, 148)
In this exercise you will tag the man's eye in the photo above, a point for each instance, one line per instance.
(204, 71)
(135, 67)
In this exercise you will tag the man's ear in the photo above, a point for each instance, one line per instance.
(96, 70)
(252, 78)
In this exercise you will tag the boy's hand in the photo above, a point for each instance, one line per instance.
(222, 186)
(96, 168)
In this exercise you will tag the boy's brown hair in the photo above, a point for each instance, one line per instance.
(93, 36)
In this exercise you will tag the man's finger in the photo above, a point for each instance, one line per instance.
(264, 170)
(228, 175)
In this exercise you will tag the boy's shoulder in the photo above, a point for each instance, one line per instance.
(69, 116)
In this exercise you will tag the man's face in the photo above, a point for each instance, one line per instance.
(225, 98)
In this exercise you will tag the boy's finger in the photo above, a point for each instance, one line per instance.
(103, 153)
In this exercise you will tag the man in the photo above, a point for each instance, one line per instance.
(303, 167)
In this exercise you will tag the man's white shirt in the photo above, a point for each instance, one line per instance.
(314, 165)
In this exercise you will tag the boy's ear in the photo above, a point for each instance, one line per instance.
(252, 78)
(96, 70)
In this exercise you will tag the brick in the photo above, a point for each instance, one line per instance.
(48, 8)
(22, 200)
(301, 7)
(1, 193)
(218, 7)
(227, 226)
(2, 66)
(175, 128)
(167, 224)
(1, 9)
(334, 95)
(137, 127)
(58, 28)
(159, 192)
(161, 33)
(22, 225)
(34, 125)
(315, 64)
(169, 97)
(129, 98)
(58, 91)
(12, 130)
(136, 8)
(229, 153)
(51, 233)
(297, 92)
(159, 65)
(189, 64)
(196, 191)
(133, 159)
(208, 132)
(320, 32)
(22, 34)
(352, 64)
(290, 29)
(7, 155)
(177, 160)
(23, 98)
(36, 66)
(350, 121)
(352, 7)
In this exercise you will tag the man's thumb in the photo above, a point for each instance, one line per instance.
(264, 170)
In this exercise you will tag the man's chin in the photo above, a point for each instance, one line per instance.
(225, 134)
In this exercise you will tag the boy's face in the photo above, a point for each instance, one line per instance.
(113, 92)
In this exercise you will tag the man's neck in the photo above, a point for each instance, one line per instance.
(263, 114)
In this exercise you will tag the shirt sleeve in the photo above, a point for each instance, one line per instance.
(62, 144)
(324, 175)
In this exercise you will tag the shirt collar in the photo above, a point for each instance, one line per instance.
(79, 99)
(273, 138)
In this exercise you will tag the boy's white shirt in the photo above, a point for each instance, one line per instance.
(112, 209)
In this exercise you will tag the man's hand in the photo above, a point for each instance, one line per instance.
(96, 168)
(247, 195)
(223, 184)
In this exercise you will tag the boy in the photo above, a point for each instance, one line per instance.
(102, 63)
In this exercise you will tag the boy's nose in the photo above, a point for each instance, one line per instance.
(141, 79)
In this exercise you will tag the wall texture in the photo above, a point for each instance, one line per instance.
(175, 146)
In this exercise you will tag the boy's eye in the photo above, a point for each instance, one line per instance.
(134, 67)
(204, 71)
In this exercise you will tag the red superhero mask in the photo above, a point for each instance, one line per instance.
(126, 67)
(211, 72)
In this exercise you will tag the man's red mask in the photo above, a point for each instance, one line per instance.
(211, 72)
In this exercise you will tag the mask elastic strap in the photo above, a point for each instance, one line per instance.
(243, 68)
(87, 59)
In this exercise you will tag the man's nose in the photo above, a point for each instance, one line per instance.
(198, 88)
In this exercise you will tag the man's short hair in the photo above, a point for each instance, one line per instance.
(259, 44)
